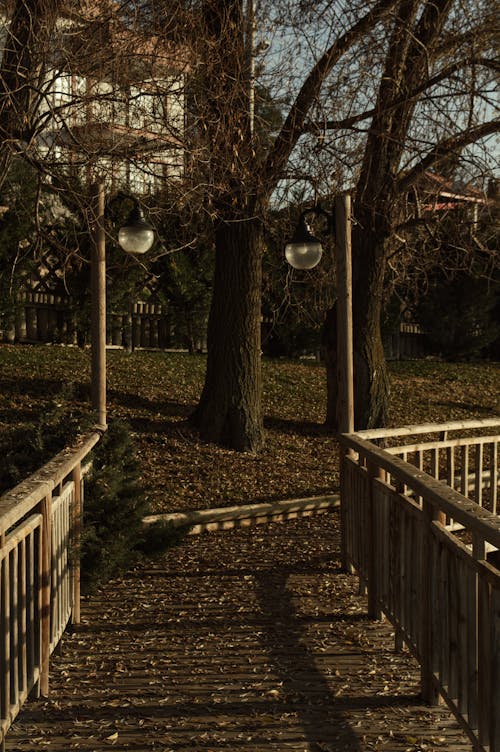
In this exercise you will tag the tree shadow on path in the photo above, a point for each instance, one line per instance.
(320, 716)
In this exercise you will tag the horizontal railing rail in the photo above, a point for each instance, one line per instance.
(468, 464)
(39, 573)
(421, 547)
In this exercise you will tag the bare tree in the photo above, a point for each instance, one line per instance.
(379, 93)
(423, 67)
(242, 183)
(28, 28)
(88, 92)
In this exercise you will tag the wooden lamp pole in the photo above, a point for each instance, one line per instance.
(98, 306)
(345, 404)
(304, 251)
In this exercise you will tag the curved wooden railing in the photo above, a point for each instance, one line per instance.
(39, 573)
(421, 527)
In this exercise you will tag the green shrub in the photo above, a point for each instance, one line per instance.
(114, 537)
(158, 536)
(460, 315)
(26, 448)
(114, 506)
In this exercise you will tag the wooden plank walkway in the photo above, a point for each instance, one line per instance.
(249, 640)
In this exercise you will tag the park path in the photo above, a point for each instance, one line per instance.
(249, 640)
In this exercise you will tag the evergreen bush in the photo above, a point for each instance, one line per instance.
(114, 537)
(26, 448)
(114, 506)
(460, 315)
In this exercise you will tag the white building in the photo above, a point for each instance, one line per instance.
(112, 103)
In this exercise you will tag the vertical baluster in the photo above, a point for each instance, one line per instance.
(494, 476)
(442, 615)
(495, 670)
(14, 627)
(430, 570)
(479, 475)
(75, 539)
(4, 637)
(453, 618)
(435, 462)
(450, 471)
(374, 546)
(65, 564)
(474, 690)
(45, 588)
(464, 487)
(463, 679)
(54, 590)
(484, 652)
(23, 665)
(31, 597)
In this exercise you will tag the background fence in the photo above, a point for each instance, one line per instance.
(44, 317)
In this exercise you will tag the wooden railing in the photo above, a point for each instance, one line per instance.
(39, 573)
(422, 548)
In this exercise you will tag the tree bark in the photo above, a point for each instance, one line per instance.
(329, 346)
(371, 379)
(230, 411)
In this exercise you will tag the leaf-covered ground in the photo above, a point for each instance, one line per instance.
(157, 391)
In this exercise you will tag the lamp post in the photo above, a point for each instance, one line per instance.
(304, 251)
(135, 237)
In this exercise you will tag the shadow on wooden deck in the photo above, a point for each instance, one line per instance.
(249, 640)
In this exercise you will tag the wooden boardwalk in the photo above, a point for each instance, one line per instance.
(249, 640)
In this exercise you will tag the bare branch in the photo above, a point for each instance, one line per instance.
(446, 73)
(293, 127)
(443, 149)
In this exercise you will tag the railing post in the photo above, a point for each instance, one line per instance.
(429, 690)
(45, 585)
(495, 671)
(76, 477)
(483, 644)
(374, 473)
(345, 405)
(345, 395)
(344, 522)
(4, 635)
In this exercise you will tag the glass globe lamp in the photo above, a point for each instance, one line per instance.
(303, 251)
(137, 236)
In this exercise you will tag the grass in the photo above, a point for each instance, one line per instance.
(155, 392)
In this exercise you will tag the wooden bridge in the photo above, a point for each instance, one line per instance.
(257, 638)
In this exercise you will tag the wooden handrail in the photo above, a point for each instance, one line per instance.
(39, 580)
(19, 501)
(454, 425)
(421, 547)
(442, 497)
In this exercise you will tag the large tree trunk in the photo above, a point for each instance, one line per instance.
(230, 411)
(329, 347)
(371, 379)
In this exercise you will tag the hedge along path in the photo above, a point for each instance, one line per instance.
(249, 640)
